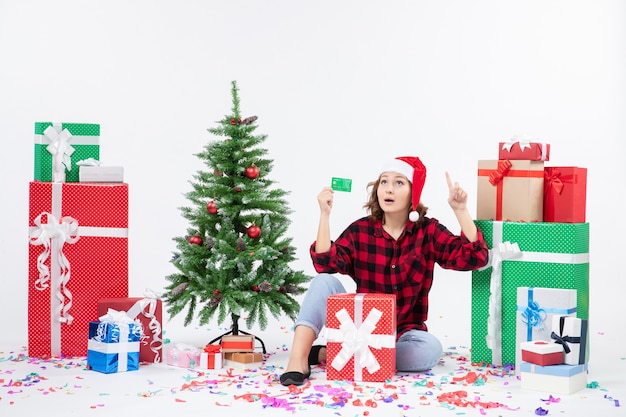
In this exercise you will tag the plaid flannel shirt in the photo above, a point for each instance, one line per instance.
(380, 264)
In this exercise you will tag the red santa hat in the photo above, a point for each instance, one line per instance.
(412, 168)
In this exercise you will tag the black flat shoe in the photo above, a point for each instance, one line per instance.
(294, 378)
(314, 354)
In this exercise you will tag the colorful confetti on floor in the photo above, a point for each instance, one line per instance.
(455, 387)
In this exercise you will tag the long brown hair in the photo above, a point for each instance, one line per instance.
(373, 207)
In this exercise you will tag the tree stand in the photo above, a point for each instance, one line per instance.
(234, 330)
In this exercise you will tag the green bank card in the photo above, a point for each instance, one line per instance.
(341, 184)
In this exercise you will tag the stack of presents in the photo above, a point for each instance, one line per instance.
(78, 301)
(233, 351)
(530, 306)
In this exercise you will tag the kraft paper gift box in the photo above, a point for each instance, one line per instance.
(100, 174)
(542, 353)
(211, 357)
(565, 194)
(149, 311)
(369, 319)
(66, 144)
(243, 360)
(535, 309)
(78, 254)
(560, 379)
(183, 355)
(547, 255)
(510, 190)
(113, 346)
(237, 343)
(524, 150)
(572, 334)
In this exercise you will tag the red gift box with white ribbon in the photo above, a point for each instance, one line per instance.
(524, 149)
(361, 337)
(149, 311)
(78, 254)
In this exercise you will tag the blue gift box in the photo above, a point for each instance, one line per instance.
(561, 379)
(113, 347)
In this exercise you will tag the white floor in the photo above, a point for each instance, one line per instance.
(30, 387)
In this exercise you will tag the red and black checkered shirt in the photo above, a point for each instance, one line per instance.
(380, 264)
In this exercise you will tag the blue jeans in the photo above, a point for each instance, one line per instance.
(416, 350)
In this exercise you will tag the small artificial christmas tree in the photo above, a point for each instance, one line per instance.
(235, 258)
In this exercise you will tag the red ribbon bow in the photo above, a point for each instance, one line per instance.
(553, 179)
(503, 167)
(212, 348)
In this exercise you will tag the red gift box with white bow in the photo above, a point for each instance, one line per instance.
(78, 254)
(361, 337)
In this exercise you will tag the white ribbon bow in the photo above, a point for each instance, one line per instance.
(504, 251)
(358, 340)
(60, 149)
(89, 162)
(52, 236)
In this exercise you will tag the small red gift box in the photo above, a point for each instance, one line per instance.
(524, 150)
(510, 190)
(542, 353)
(149, 310)
(78, 254)
(361, 337)
(238, 343)
(565, 194)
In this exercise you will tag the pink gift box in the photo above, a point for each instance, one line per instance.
(183, 356)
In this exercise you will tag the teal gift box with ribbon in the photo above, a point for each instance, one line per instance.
(114, 345)
(536, 308)
(59, 146)
(546, 255)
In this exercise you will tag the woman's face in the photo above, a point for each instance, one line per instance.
(394, 193)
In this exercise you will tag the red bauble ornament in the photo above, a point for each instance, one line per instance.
(216, 291)
(252, 172)
(255, 288)
(254, 231)
(211, 207)
(237, 189)
(281, 289)
(195, 240)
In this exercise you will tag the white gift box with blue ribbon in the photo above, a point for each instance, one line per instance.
(535, 309)
(114, 343)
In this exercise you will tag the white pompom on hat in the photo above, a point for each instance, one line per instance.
(412, 168)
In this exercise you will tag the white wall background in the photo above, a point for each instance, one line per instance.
(338, 86)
